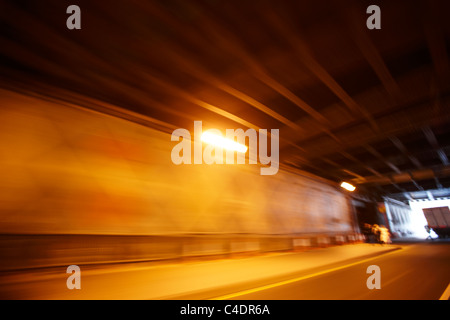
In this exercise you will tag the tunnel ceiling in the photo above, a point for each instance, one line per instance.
(366, 106)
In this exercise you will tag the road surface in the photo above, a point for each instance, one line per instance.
(407, 271)
(417, 271)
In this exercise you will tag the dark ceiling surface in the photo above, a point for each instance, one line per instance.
(366, 106)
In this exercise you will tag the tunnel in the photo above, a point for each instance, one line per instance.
(266, 141)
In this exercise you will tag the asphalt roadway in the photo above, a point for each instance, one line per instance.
(410, 270)
(417, 271)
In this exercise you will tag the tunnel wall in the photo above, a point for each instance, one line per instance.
(71, 172)
(398, 218)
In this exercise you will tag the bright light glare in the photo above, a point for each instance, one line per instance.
(418, 220)
(222, 142)
(348, 186)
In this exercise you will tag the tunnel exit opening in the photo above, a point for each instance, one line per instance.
(419, 222)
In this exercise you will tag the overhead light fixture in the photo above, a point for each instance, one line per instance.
(348, 186)
(222, 142)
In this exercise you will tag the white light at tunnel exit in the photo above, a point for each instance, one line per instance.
(222, 142)
(348, 186)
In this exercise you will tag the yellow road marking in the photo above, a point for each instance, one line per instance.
(446, 293)
(281, 283)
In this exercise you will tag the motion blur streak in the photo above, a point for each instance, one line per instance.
(87, 177)
(83, 187)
